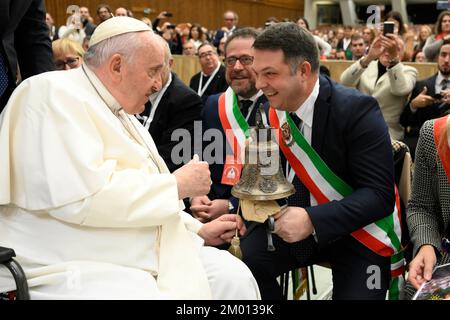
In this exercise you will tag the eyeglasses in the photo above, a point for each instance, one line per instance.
(71, 62)
(244, 60)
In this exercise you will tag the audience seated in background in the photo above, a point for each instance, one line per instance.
(67, 54)
(211, 79)
(441, 33)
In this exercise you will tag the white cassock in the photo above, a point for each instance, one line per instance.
(91, 209)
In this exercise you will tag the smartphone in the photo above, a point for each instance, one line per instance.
(437, 96)
(168, 14)
(147, 11)
(171, 26)
(388, 27)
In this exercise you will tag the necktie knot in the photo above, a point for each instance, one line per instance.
(444, 84)
(297, 120)
(245, 106)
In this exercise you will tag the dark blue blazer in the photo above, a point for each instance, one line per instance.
(350, 135)
(211, 120)
(24, 40)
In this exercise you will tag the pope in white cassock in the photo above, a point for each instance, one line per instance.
(87, 203)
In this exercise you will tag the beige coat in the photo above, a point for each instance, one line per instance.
(391, 90)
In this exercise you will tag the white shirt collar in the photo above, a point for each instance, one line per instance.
(213, 72)
(252, 98)
(306, 111)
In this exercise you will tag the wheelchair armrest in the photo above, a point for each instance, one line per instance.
(6, 258)
(6, 254)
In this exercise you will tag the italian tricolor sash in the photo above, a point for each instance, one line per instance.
(382, 237)
(443, 150)
(236, 130)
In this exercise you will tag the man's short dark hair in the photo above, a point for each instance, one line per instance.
(356, 37)
(107, 7)
(297, 44)
(206, 43)
(245, 33)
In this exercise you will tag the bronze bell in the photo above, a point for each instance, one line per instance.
(262, 176)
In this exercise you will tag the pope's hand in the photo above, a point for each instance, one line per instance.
(193, 179)
(199, 208)
(293, 224)
(222, 229)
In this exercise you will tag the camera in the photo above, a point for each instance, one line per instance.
(171, 26)
(388, 27)
(168, 14)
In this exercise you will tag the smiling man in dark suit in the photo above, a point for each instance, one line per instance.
(172, 106)
(341, 165)
(24, 42)
(241, 78)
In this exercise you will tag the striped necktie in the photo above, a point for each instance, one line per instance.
(245, 106)
(444, 84)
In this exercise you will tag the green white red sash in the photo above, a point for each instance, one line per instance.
(382, 237)
(443, 150)
(236, 130)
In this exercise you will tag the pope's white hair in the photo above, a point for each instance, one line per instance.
(127, 45)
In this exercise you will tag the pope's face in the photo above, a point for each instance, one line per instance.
(273, 76)
(143, 75)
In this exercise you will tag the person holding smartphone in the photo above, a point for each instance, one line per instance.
(382, 75)
(429, 99)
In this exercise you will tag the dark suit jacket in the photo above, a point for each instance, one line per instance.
(89, 28)
(351, 136)
(24, 40)
(218, 84)
(211, 120)
(219, 35)
(178, 108)
(414, 121)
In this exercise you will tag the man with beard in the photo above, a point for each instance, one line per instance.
(242, 99)
(428, 99)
